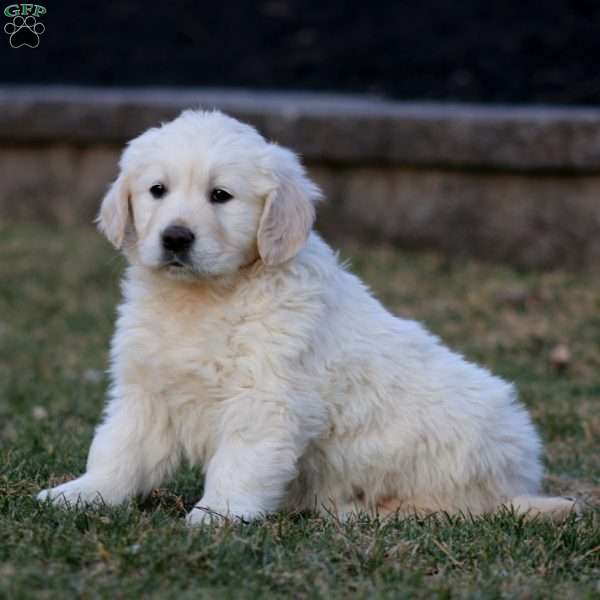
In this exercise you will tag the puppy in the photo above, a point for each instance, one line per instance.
(243, 345)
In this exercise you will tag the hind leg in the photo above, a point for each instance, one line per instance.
(554, 508)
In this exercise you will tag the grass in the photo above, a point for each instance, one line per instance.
(58, 290)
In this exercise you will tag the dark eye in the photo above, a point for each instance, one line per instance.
(158, 190)
(219, 196)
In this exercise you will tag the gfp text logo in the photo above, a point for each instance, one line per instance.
(24, 29)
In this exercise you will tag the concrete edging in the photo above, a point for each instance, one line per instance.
(520, 184)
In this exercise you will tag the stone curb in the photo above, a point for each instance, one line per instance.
(519, 185)
(323, 128)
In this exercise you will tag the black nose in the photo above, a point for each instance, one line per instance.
(177, 238)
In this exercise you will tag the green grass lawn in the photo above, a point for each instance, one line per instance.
(58, 290)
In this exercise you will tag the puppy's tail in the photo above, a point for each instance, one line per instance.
(555, 508)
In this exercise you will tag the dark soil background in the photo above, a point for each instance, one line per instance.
(484, 51)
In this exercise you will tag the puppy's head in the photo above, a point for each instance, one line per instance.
(205, 195)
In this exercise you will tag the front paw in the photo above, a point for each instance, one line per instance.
(79, 492)
(200, 515)
(207, 514)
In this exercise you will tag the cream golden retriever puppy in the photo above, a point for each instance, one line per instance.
(243, 345)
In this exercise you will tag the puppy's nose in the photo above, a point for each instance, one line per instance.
(177, 238)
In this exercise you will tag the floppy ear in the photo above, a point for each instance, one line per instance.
(289, 211)
(114, 212)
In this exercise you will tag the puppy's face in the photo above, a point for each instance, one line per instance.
(205, 195)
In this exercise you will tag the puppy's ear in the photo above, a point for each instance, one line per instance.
(289, 211)
(114, 212)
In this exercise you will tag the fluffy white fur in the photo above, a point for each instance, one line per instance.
(268, 363)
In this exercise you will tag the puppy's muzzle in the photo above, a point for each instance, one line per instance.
(177, 240)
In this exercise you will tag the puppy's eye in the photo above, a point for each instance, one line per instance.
(158, 190)
(219, 196)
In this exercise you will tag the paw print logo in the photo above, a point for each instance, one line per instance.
(24, 31)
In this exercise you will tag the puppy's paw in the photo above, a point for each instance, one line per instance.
(72, 494)
(207, 514)
(200, 515)
(553, 508)
(567, 505)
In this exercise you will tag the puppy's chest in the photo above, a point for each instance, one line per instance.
(191, 356)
